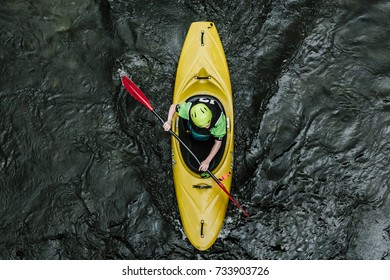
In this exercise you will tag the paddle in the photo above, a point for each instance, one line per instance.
(140, 96)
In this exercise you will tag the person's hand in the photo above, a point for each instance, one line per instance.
(167, 125)
(204, 165)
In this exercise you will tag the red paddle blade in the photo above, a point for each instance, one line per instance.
(136, 92)
(232, 198)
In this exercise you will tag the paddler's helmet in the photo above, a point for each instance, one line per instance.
(200, 115)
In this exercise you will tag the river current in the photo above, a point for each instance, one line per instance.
(85, 170)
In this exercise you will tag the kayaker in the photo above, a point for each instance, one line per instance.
(205, 120)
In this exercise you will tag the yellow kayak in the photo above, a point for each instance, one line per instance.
(202, 73)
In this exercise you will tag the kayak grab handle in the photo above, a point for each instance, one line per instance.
(201, 228)
(201, 186)
(202, 78)
(201, 38)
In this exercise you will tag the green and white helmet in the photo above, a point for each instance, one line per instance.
(201, 115)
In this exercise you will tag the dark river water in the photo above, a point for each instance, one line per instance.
(85, 170)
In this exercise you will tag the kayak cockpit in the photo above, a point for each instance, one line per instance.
(200, 148)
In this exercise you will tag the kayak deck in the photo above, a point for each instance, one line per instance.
(202, 71)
